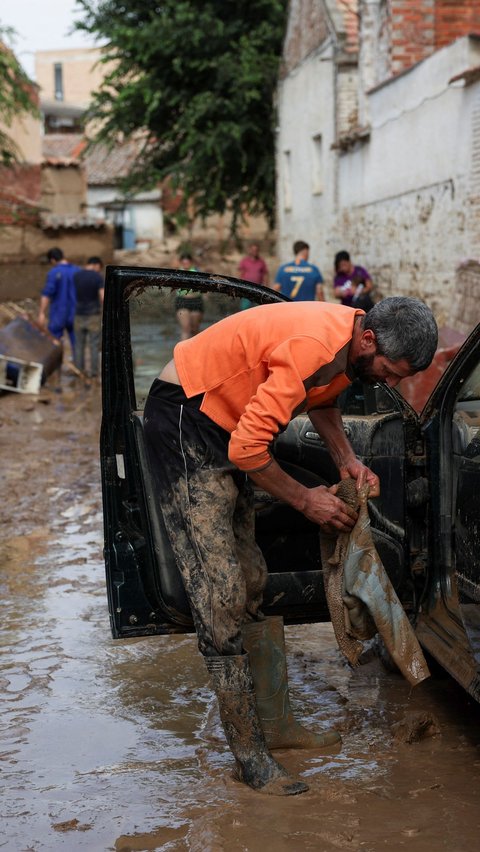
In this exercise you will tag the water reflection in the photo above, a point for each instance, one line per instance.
(154, 331)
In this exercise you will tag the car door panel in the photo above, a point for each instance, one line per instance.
(449, 625)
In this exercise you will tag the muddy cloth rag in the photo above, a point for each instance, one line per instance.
(360, 596)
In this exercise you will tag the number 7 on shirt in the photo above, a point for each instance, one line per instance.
(299, 279)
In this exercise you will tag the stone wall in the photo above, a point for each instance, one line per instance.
(408, 243)
(465, 311)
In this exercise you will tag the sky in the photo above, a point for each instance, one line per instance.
(41, 25)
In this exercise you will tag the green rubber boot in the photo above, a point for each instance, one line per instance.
(232, 681)
(264, 642)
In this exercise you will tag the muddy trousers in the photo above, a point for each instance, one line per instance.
(207, 506)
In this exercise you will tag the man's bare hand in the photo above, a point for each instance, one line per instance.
(363, 476)
(323, 507)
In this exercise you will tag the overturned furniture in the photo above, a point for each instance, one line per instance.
(28, 355)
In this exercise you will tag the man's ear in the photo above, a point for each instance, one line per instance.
(368, 342)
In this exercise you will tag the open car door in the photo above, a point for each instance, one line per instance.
(145, 590)
(449, 624)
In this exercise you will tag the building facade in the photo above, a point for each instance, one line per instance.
(68, 79)
(379, 144)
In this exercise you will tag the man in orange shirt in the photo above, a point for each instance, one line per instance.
(210, 421)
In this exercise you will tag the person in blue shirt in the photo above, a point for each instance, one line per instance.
(59, 297)
(300, 280)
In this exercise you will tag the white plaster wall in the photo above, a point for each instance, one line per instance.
(306, 108)
(417, 133)
(147, 220)
(144, 211)
(408, 207)
(406, 203)
(97, 198)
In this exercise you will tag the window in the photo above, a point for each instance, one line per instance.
(58, 81)
(287, 180)
(317, 165)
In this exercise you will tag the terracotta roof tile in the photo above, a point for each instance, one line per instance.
(60, 146)
(72, 222)
(105, 166)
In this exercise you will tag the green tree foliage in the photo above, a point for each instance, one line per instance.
(17, 96)
(197, 79)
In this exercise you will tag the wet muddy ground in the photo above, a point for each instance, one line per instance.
(116, 745)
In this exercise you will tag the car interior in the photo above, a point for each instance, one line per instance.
(290, 543)
(466, 502)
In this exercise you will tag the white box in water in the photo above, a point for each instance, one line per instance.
(28, 378)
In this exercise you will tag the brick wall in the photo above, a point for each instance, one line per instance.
(15, 212)
(455, 18)
(19, 194)
(412, 32)
(22, 181)
(417, 28)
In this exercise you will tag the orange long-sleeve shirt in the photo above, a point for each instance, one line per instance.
(260, 368)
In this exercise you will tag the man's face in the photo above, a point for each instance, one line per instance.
(377, 368)
(253, 250)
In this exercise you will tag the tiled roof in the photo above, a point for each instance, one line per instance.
(72, 222)
(62, 146)
(105, 166)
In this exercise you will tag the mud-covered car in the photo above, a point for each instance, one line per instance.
(426, 522)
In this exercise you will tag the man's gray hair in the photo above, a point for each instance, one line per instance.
(404, 328)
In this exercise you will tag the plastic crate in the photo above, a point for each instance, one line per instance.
(20, 376)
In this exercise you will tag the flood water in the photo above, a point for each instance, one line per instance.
(109, 745)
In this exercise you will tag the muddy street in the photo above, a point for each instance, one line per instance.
(117, 746)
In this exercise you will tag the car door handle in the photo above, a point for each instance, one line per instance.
(312, 436)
